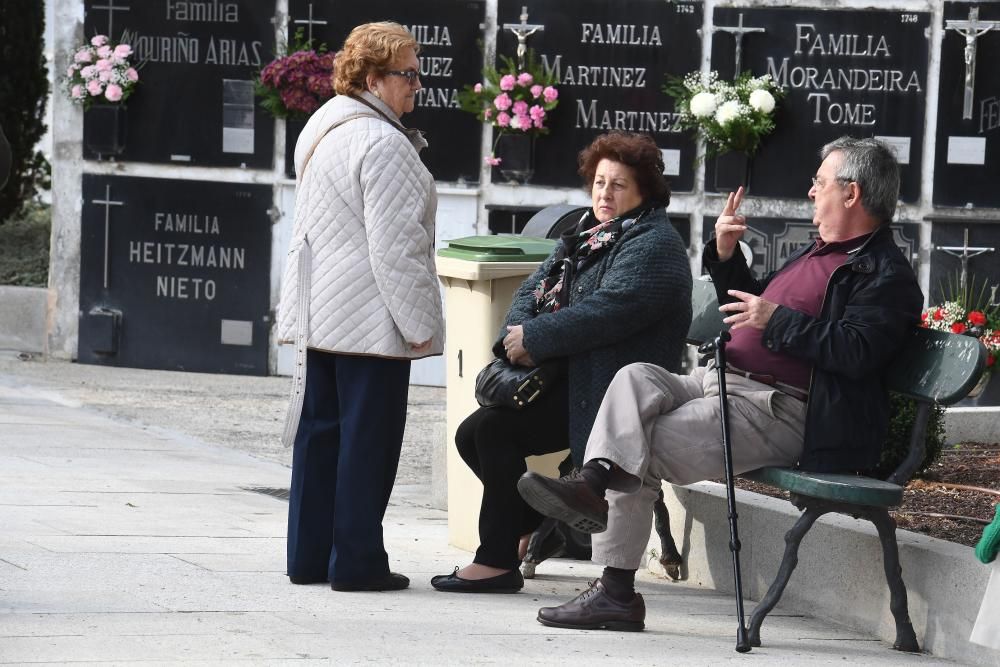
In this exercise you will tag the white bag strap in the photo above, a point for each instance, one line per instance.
(325, 132)
(301, 341)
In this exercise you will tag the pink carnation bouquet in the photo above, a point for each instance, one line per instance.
(296, 84)
(512, 99)
(101, 72)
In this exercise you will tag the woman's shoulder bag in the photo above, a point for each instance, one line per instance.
(501, 384)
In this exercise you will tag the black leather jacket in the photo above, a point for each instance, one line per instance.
(871, 302)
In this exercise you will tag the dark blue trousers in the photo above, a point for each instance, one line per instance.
(344, 464)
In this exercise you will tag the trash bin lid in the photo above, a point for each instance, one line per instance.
(498, 249)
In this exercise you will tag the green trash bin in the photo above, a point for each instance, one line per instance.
(505, 248)
(480, 275)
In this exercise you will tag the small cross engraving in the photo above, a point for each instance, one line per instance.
(111, 8)
(309, 23)
(738, 31)
(107, 203)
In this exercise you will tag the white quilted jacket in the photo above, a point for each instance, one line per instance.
(364, 213)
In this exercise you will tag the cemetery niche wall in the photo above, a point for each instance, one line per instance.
(774, 240)
(611, 66)
(964, 249)
(175, 275)
(862, 73)
(967, 155)
(450, 37)
(195, 102)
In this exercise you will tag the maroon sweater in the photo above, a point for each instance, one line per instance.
(799, 286)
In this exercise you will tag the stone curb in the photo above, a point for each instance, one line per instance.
(945, 583)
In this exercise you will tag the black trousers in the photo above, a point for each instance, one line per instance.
(344, 465)
(493, 443)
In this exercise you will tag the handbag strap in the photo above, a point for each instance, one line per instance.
(320, 138)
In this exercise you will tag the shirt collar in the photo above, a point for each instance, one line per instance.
(847, 246)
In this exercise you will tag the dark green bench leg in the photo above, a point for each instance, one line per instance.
(788, 562)
(906, 639)
(670, 558)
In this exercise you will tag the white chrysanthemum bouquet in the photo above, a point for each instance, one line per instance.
(101, 72)
(730, 115)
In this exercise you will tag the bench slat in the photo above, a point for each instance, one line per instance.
(838, 488)
(937, 366)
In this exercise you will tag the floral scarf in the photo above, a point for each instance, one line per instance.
(576, 250)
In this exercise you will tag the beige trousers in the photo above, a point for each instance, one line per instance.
(656, 425)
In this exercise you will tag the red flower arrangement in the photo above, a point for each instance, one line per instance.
(979, 319)
(295, 85)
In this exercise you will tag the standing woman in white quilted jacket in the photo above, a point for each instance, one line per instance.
(360, 299)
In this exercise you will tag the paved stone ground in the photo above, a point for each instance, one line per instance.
(244, 413)
(129, 536)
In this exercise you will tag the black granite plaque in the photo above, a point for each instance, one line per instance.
(982, 249)
(774, 240)
(967, 154)
(948, 237)
(611, 61)
(861, 72)
(175, 274)
(194, 103)
(450, 36)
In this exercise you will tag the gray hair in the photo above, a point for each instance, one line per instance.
(872, 165)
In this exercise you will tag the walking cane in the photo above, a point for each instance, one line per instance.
(719, 345)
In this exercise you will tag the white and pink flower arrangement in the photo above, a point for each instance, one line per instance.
(101, 73)
(512, 99)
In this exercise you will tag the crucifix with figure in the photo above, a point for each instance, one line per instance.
(972, 29)
(738, 31)
(523, 31)
(309, 23)
(965, 252)
(110, 7)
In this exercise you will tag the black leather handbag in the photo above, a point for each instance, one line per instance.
(501, 384)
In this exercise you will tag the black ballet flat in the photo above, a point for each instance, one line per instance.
(508, 582)
(305, 581)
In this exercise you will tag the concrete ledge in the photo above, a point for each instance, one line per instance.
(23, 318)
(972, 424)
(839, 575)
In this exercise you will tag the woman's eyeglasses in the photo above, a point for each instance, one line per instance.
(411, 75)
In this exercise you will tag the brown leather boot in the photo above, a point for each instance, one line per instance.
(594, 609)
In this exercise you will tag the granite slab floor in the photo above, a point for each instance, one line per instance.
(126, 545)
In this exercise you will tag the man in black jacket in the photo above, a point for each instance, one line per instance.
(805, 378)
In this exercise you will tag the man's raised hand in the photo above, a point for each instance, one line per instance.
(729, 228)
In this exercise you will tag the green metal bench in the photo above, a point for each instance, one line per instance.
(932, 367)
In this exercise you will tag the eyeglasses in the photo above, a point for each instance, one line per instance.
(819, 183)
(411, 75)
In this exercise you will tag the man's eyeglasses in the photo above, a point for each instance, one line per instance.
(411, 75)
(819, 183)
